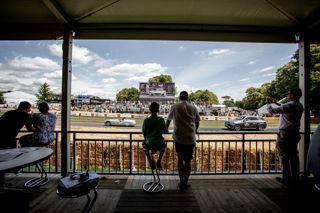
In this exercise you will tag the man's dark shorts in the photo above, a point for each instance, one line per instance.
(184, 151)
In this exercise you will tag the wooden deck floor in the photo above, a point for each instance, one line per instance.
(217, 193)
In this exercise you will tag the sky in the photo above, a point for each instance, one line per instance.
(104, 67)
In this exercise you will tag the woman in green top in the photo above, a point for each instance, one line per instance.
(153, 127)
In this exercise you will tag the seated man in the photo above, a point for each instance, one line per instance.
(152, 129)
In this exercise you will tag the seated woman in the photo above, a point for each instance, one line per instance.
(44, 124)
(153, 127)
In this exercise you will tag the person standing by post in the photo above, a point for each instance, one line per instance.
(186, 120)
(12, 121)
(289, 135)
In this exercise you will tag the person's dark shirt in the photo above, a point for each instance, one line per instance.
(11, 123)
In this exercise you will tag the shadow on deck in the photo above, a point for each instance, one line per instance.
(121, 193)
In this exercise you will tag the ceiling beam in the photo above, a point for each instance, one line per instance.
(58, 11)
(185, 32)
(289, 16)
(96, 10)
(313, 19)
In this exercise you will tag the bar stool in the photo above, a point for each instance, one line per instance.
(153, 186)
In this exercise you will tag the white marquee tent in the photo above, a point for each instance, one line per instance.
(15, 97)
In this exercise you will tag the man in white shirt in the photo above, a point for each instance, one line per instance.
(289, 135)
(186, 120)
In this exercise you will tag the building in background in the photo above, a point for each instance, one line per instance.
(160, 92)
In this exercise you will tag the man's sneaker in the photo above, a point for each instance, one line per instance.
(183, 186)
(317, 186)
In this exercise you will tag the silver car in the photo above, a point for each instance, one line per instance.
(246, 122)
(120, 122)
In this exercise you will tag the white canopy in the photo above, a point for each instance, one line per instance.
(16, 97)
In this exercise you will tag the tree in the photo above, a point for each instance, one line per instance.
(239, 104)
(288, 75)
(44, 93)
(160, 79)
(2, 100)
(203, 96)
(228, 101)
(128, 94)
(254, 99)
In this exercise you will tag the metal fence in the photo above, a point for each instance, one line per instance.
(122, 153)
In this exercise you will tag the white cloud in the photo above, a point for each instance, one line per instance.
(182, 48)
(267, 69)
(251, 62)
(84, 86)
(220, 51)
(244, 79)
(109, 80)
(42, 81)
(215, 85)
(8, 79)
(55, 75)
(131, 70)
(213, 52)
(270, 74)
(137, 79)
(286, 58)
(22, 63)
(55, 50)
(80, 55)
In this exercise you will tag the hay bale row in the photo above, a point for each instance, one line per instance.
(115, 156)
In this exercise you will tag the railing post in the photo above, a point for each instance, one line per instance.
(57, 151)
(243, 154)
(130, 159)
(74, 152)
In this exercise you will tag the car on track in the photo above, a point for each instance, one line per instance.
(246, 122)
(120, 122)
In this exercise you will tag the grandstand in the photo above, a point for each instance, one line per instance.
(160, 92)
